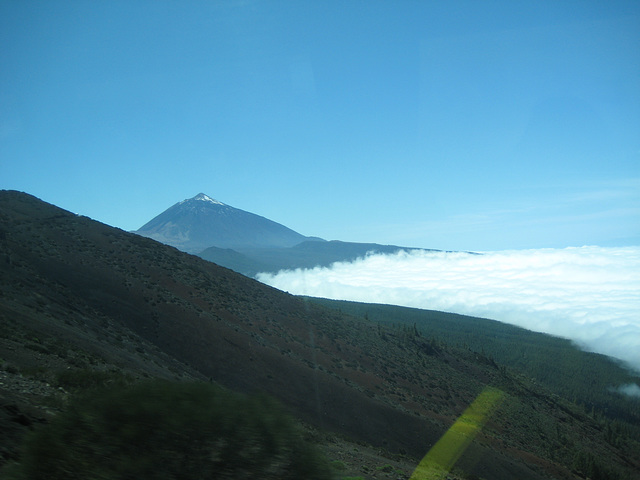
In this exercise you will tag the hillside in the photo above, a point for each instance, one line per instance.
(80, 296)
(589, 379)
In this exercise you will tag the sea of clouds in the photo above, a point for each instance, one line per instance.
(590, 295)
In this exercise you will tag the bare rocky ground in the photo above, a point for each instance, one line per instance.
(352, 460)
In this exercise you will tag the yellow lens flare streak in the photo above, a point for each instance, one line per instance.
(445, 453)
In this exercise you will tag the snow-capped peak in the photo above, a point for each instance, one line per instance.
(205, 198)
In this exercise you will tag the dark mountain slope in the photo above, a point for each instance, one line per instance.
(79, 294)
(200, 222)
(589, 378)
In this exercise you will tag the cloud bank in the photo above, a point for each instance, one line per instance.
(588, 294)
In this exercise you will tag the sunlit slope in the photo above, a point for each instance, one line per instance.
(77, 294)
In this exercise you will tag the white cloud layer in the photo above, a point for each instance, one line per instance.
(588, 294)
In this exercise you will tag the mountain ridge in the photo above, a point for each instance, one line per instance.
(307, 254)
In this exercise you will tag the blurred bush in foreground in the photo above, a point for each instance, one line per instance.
(163, 430)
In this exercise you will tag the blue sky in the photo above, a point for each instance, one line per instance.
(451, 125)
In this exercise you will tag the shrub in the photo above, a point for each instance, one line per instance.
(162, 430)
(338, 465)
(86, 378)
(386, 468)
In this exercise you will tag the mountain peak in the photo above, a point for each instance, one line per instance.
(206, 198)
(201, 222)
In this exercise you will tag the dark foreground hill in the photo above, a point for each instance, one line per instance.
(79, 296)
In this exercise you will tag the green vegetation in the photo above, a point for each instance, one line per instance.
(83, 379)
(582, 377)
(446, 452)
(338, 465)
(164, 430)
(587, 466)
(386, 468)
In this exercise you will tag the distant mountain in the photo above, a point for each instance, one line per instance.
(245, 242)
(308, 254)
(201, 222)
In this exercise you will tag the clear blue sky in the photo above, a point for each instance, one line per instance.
(456, 125)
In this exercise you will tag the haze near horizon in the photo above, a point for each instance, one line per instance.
(457, 125)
